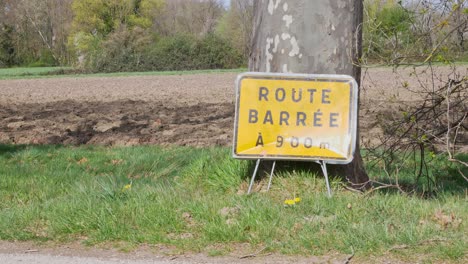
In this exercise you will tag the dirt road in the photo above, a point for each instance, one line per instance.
(59, 259)
(28, 252)
(51, 259)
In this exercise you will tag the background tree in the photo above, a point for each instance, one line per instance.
(192, 17)
(407, 31)
(40, 30)
(7, 49)
(95, 20)
(460, 14)
(310, 37)
(236, 25)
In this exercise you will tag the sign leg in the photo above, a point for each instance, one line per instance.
(271, 175)
(323, 164)
(253, 176)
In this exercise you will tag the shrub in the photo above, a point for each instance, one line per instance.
(213, 52)
(46, 59)
(127, 51)
(123, 50)
(7, 49)
(172, 54)
(185, 52)
(132, 50)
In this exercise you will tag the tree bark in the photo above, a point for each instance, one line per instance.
(319, 37)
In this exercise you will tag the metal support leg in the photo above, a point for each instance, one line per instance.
(325, 173)
(253, 176)
(323, 165)
(271, 174)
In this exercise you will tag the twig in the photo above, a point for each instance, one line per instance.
(352, 189)
(348, 260)
(384, 186)
(458, 126)
(253, 254)
(462, 174)
(459, 161)
(449, 128)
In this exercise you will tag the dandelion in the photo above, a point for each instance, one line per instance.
(290, 202)
(127, 187)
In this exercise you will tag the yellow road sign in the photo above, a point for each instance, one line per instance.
(295, 117)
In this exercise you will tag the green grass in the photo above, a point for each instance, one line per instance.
(174, 196)
(54, 72)
(22, 72)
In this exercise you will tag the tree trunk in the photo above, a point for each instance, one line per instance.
(319, 37)
(462, 23)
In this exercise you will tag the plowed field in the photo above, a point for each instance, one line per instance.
(195, 110)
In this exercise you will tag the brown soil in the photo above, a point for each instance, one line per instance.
(195, 110)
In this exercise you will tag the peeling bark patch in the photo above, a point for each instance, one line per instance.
(285, 36)
(268, 55)
(288, 19)
(331, 28)
(295, 48)
(285, 7)
(272, 6)
(277, 40)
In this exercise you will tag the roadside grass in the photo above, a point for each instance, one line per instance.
(62, 72)
(193, 199)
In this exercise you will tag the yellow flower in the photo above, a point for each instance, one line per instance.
(289, 202)
(297, 200)
(127, 187)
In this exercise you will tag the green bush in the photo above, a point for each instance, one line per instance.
(7, 49)
(213, 52)
(185, 52)
(123, 50)
(133, 50)
(45, 59)
(172, 54)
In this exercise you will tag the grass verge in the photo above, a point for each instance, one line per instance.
(27, 72)
(195, 199)
(58, 72)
